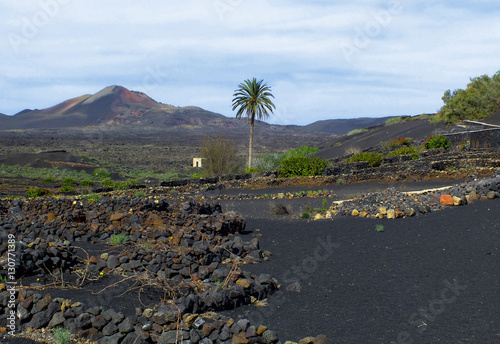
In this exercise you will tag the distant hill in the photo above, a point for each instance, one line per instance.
(114, 106)
(342, 126)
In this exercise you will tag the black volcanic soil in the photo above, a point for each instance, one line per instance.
(373, 287)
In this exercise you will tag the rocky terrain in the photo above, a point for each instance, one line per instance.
(175, 263)
(125, 269)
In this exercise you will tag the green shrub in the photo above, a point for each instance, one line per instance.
(379, 228)
(301, 151)
(356, 131)
(61, 335)
(95, 197)
(438, 141)
(120, 185)
(302, 166)
(340, 181)
(48, 180)
(196, 176)
(397, 143)
(101, 173)
(70, 181)
(405, 151)
(267, 162)
(66, 188)
(271, 161)
(87, 182)
(306, 215)
(374, 159)
(325, 204)
(107, 182)
(36, 192)
(118, 239)
(393, 120)
(140, 194)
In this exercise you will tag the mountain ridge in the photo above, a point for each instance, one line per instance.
(116, 107)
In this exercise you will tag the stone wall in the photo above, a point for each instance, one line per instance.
(186, 256)
(489, 138)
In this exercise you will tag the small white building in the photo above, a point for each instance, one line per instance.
(197, 162)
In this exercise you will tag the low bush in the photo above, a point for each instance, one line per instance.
(140, 194)
(94, 197)
(393, 120)
(48, 180)
(220, 157)
(87, 182)
(61, 335)
(438, 141)
(301, 151)
(356, 131)
(397, 143)
(405, 151)
(101, 173)
(373, 159)
(302, 166)
(252, 170)
(36, 192)
(66, 188)
(267, 162)
(271, 161)
(118, 239)
(107, 182)
(70, 181)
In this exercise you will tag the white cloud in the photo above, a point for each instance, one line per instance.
(322, 59)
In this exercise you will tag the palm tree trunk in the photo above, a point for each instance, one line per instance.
(250, 147)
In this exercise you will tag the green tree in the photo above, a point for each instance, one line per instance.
(252, 98)
(480, 99)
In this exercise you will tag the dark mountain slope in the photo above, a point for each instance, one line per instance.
(343, 126)
(418, 129)
(493, 119)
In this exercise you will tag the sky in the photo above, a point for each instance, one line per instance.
(322, 59)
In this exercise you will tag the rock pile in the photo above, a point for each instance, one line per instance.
(431, 163)
(393, 204)
(188, 251)
(166, 324)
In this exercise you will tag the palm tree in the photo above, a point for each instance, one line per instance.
(252, 99)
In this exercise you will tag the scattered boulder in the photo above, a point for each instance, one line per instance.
(446, 200)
